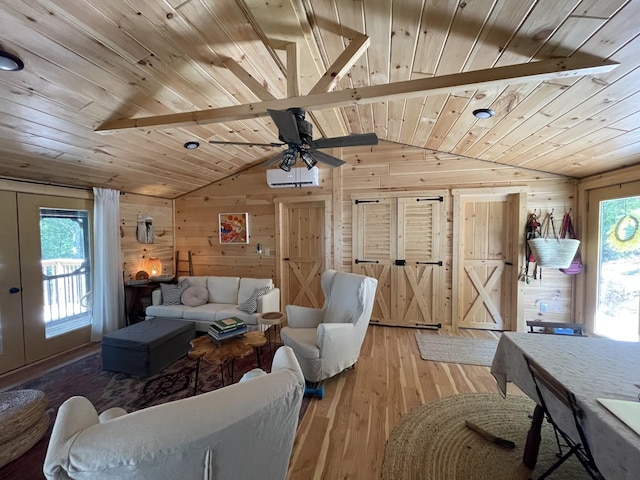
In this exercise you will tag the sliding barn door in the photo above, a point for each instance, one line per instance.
(398, 240)
(485, 251)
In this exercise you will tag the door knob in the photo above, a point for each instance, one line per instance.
(14, 290)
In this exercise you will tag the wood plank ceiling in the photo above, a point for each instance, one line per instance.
(88, 62)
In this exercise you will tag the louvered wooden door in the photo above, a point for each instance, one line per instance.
(398, 241)
(421, 280)
(374, 230)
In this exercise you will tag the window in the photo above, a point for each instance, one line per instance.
(66, 269)
(612, 291)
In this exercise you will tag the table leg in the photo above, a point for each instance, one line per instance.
(195, 386)
(530, 455)
(258, 356)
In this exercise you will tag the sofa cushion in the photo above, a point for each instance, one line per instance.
(195, 296)
(223, 289)
(248, 286)
(172, 294)
(169, 311)
(251, 304)
(195, 281)
(206, 312)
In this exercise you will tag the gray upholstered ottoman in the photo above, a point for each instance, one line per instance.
(148, 347)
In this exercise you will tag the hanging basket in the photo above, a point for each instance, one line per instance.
(554, 252)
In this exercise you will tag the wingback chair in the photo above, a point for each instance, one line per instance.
(242, 431)
(327, 340)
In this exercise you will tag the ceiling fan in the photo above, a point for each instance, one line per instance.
(295, 132)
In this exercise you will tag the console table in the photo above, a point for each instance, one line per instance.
(134, 300)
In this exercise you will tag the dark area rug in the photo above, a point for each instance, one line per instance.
(107, 389)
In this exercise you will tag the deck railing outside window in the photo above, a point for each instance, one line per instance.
(65, 285)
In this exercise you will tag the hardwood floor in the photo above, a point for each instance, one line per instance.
(343, 436)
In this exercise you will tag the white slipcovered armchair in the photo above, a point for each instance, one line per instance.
(328, 340)
(242, 431)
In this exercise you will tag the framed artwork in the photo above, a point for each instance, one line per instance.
(234, 227)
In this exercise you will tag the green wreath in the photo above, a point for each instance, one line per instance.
(624, 235)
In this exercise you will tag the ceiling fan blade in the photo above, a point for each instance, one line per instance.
(346, 141)
(248, 144)
(287, 125)
(328, 159)
(272, 160)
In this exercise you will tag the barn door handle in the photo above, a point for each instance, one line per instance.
(14, 290)
(400, 263)
(286, 259)
(365, 261)
(439, 263)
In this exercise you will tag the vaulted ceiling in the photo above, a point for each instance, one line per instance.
(90, 64)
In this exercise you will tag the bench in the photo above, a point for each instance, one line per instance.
(148, 347)
(556, 328)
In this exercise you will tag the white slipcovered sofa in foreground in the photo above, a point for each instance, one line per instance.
(242, 431)
(220, 298)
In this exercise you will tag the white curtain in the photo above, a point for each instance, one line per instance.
(108, 289)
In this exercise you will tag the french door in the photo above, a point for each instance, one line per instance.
(45, 277)
(613, 261)
(11, 328)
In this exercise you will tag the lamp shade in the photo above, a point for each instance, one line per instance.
(153, 266)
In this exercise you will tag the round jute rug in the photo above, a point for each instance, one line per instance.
(432, 442)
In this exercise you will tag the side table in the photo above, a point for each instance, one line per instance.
(271, 319)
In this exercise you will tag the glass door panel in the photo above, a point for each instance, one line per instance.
(616, 255)
(66, 269)
(54, 259)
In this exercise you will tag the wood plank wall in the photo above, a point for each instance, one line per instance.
(387, 167)
(134, 253)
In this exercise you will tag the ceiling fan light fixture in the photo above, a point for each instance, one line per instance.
(483, 113)
(308, 160)
(191, 145)
(9, 62)
(288, 159)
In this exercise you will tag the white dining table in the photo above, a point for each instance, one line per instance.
(591, 368)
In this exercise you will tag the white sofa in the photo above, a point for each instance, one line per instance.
(242, 431)
(225, 294)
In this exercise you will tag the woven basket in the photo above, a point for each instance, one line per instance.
(554, 252)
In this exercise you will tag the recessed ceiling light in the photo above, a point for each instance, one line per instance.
(484, 113)
(191, 145)
(10, 62)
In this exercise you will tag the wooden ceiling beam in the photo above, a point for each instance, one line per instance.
(342, 65)
(248, 80)
(512, 74)
(293, 88)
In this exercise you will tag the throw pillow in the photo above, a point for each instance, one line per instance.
(171, 294)
(251, 305)
(195, 296)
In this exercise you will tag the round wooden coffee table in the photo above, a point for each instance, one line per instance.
(218, 353)
(256, 340)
